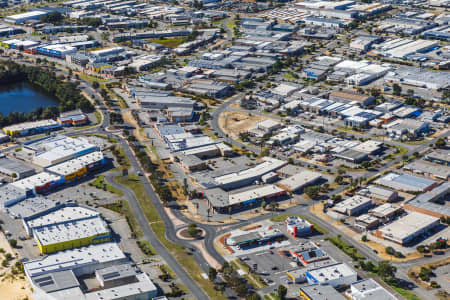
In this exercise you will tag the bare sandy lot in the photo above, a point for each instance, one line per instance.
(233, 123)
(14, 288)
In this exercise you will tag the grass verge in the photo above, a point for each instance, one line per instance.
(281, 218)
(408, 295)
(146, 248)
(171, 43)
(346, 248)
(256, 281)
(123, 208)
(101, 184)
(179, 252)
(90, 78)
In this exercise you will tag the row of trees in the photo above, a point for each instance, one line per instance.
(67, 93)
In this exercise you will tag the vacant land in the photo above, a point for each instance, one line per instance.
(100, 183)
(233, 123)
(171, 43)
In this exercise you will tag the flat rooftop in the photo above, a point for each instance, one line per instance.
(268, 165)
(74, 165)
(58, 233)
(408, 225)
(39, 179)
(405, 182)
(321, 292)
(299, 180)
(369, 289)
(75, 258)
(31, 206)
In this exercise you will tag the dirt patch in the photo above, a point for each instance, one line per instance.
(222, 240)
(233, 123)
(138, 132)
(414, 271)
(251, 227)
(13, 288)
(317, 209)
(381, 249)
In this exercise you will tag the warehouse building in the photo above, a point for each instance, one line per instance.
(366, 222)
(10, 167)
(21, 18)
(419, 77)
(370, 147)
(432, 203)
(58, 50)
(248, 176)
(385, 212)
(297, 226)
(378, 193)
(353, 206)
(39, 183)
(55, 149)
(258, 236)
(68, 227)
(405, 230)
(351, 155)
(299, 181)
(62, 275)
(30, 128)
(428, 169)
(319, 292)
(369, 289)
(72, 118)
(33, 206)
(410, 127)
(10, 194)
(405, 182)
(335, 275)
(76, 168)
(439, 156)
(348, 96)
(223, 202)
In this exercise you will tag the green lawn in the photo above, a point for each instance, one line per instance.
(91, 79)
(100, 183)
(146, 248)
(171, 43)
(231, 24)
(346, 248)
(281, 218)
(408, 295)
(121, 158)
(179, 252)
(98, 116)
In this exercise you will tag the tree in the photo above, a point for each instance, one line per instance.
(312, 191)
(13, 243)
(192, 230)
(281, 292)
(364, 238)
(14, 175)
(263, 205)
(95, 85)
(212, 274)
(386, 270)
(397, 90)
(390, 250)
(253, 296)
(440, 143)
(241, 290)
(53, 17)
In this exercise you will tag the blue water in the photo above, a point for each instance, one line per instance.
(23, 97)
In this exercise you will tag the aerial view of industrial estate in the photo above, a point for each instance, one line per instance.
(224, 149)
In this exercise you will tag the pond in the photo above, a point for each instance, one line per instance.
(23, 97)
